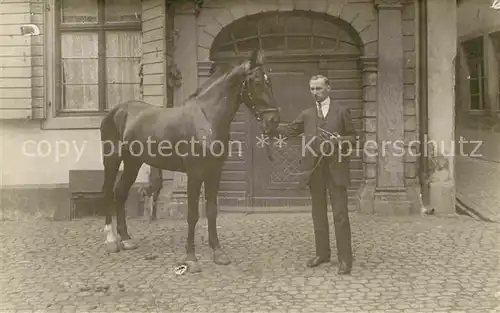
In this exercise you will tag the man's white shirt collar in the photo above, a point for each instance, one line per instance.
(325, 106)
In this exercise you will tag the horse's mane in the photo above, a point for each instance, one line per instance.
(216, 72)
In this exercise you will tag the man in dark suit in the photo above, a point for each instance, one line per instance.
(325, 166)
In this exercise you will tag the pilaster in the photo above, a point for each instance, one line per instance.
(185, 56)
(391, 196)
(442, 50)
(370, 71)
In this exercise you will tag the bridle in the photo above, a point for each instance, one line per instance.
(257, 112)
(245, 90)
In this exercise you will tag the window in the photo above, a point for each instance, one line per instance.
(98, 54)
(475, 60)
(284, 33)
(495, 39)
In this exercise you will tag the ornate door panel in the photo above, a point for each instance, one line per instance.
(275, 182)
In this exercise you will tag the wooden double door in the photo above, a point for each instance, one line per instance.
(275, 183)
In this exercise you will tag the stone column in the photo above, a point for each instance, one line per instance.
(390, 194)
(369, 69)
(442, 49)
(185, 58)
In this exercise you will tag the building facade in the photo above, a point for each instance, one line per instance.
(392, 62)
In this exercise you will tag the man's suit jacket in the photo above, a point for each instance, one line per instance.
(338, 120)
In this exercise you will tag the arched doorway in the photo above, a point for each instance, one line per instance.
(298, 44)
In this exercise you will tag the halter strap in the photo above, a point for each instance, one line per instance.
(252, 107)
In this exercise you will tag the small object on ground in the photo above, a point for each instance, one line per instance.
(427, 211)
(151, 257)
(180, 269)
(104, 288)
(121, 287)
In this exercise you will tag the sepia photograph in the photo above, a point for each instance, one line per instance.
(253, 156)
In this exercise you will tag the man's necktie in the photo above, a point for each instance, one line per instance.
(320, 111)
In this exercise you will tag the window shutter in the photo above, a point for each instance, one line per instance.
(153, 52)
(16, 60)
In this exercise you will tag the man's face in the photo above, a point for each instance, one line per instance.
(319, 89)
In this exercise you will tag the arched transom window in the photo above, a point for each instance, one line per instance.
(286, 33)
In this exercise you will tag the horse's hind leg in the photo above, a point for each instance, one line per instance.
(131, 168)
(212, 181)
(193, 191)
(111, 166)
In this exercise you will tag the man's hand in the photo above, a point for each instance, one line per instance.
(279, 130)
(326, 135)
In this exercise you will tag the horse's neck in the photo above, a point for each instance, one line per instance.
(221, 106)
(221, 113)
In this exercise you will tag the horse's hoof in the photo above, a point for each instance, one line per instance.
(128, 245)
(112, 247)
(220, 258)
(192, 266)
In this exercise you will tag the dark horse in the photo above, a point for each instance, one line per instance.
(192, 138)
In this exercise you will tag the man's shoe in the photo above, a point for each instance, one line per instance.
(317, 260)
(344, 269)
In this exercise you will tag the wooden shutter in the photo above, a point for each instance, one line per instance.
(153, 52)
(15, 61)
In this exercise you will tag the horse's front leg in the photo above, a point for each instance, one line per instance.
(193, 192)
(211, 189)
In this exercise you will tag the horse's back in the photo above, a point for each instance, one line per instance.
(133, 108)
(122, 115)
(138, 121)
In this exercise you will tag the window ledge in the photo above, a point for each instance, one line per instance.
(72, 122)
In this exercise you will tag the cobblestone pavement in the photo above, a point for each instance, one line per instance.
(478, 173)
(402, 264)
(478, 185)
(481, 144)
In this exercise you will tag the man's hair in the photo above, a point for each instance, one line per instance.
(324, 78)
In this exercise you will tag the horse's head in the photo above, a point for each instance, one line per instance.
(257, 93)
